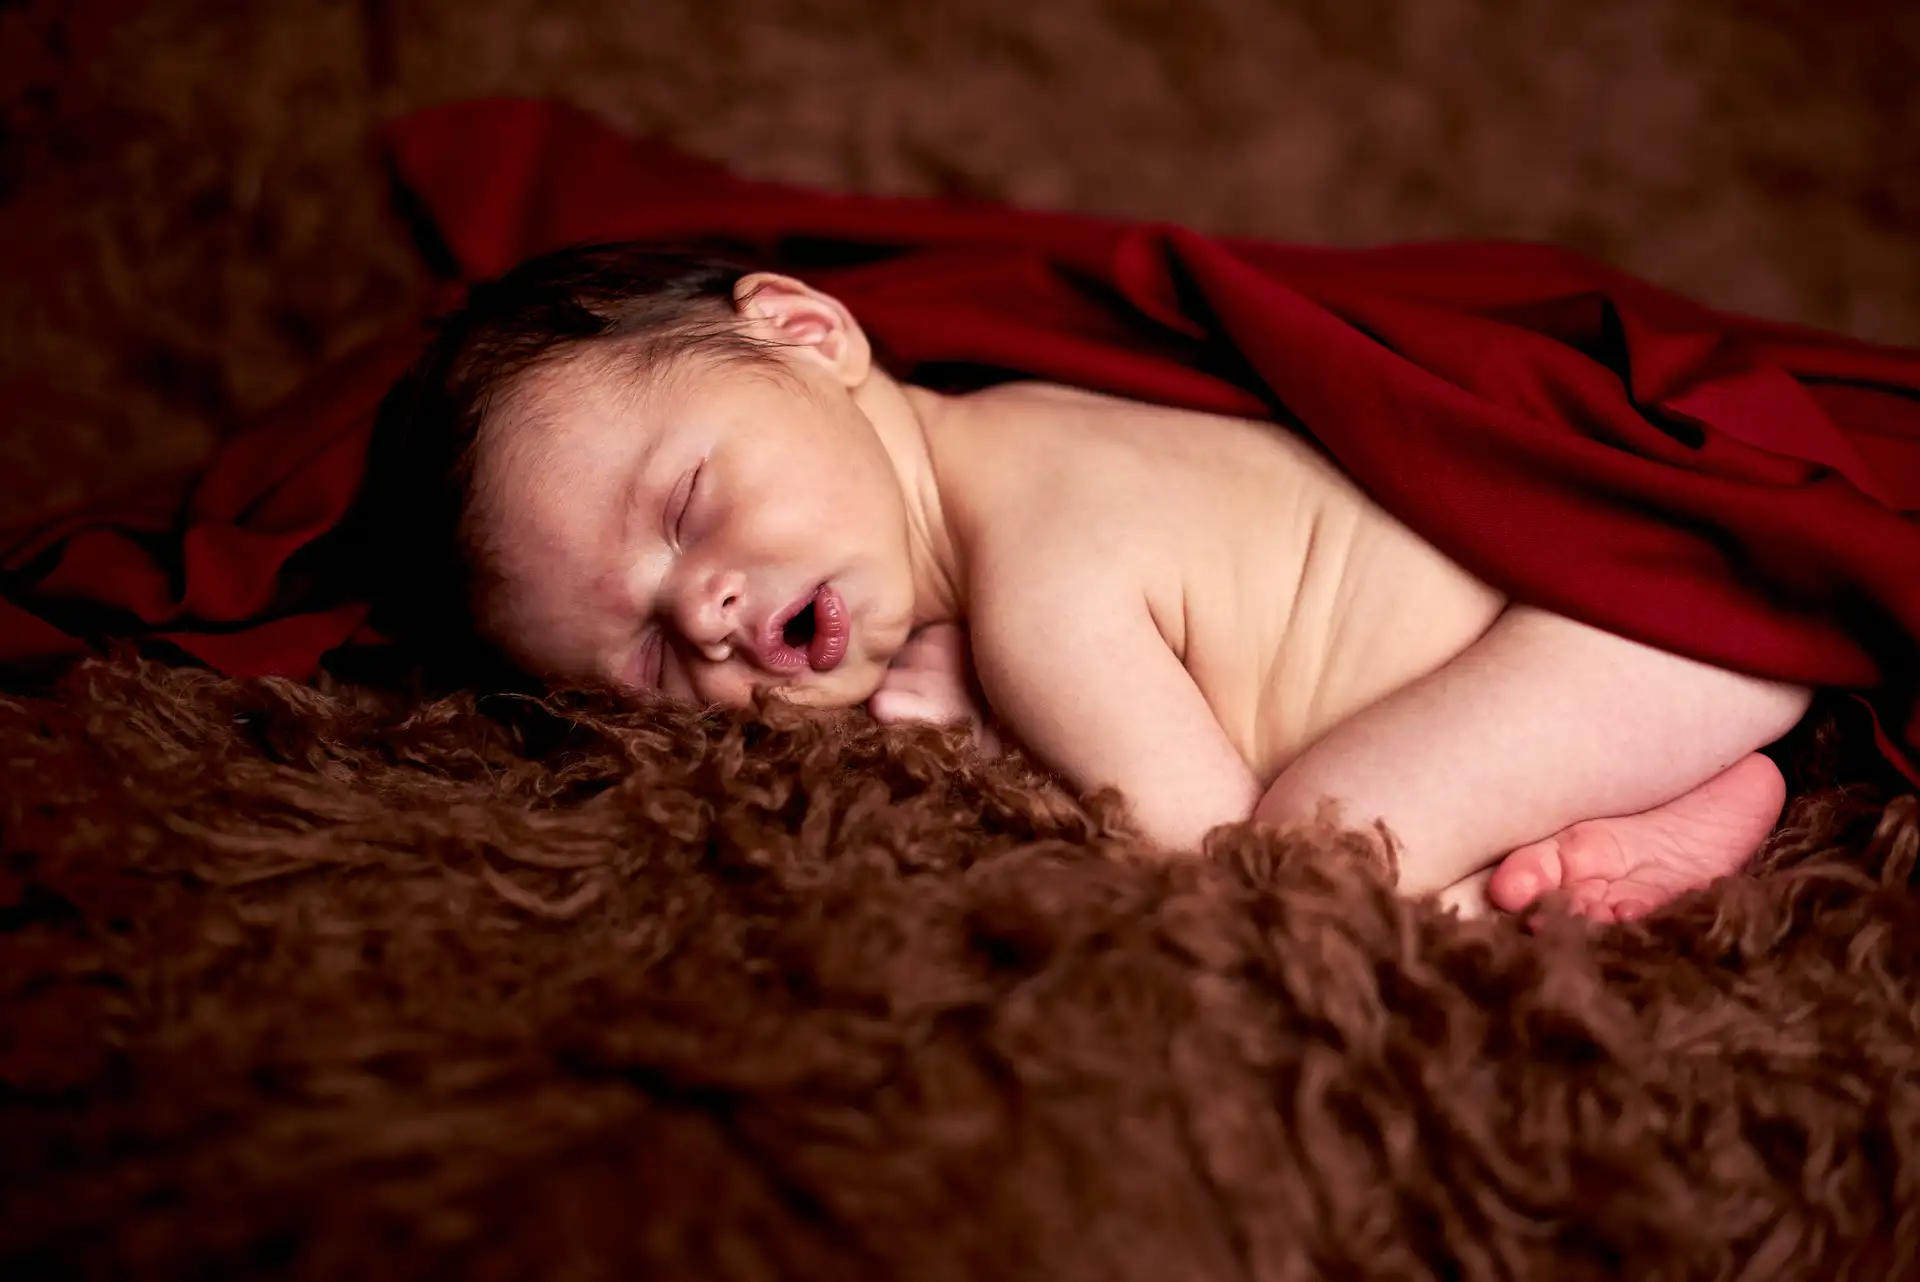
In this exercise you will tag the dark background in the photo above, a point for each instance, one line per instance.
(192, 218)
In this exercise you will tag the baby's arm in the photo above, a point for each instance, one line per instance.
(1071, 660)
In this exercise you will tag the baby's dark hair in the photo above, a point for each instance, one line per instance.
(645, 302)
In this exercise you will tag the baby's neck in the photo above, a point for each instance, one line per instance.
(905, 417)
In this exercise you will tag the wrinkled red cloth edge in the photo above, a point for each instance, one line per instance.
(1740, 491)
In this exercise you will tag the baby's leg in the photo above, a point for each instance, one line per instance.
(1541, 724)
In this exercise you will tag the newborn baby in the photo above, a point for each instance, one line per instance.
(674, 474)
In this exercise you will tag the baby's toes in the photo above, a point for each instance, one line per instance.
(1592, 900)
(1525, 875)
(1631, 907)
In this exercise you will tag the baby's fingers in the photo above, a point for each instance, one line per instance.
(896, 704)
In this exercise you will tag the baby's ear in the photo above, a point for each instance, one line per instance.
(811, 325)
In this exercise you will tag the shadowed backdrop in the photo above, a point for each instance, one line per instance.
(192, 217)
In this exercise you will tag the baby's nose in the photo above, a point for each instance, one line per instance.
(710, 612)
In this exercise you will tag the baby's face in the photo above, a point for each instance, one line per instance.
(722, 529)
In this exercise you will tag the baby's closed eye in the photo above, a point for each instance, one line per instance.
(647, 671)
(680, 503)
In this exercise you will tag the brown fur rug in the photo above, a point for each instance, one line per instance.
(332, 982)
(325, 983)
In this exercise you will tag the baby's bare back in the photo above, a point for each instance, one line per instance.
(1290, 597)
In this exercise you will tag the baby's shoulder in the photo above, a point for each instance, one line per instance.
(1038, 454)
(1032, 462)
(1059, 500)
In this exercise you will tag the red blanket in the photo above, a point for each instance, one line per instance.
(1730, 489)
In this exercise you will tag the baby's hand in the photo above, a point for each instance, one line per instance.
(931, 680)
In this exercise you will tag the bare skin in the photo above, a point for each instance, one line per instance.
(1608, 869)
(1198, 610)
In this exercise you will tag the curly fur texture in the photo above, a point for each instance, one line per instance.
(321, 983)
(312, 983)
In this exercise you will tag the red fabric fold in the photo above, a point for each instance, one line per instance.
(1736, 490)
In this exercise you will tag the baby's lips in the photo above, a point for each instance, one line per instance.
(831, 630)
(770, 645)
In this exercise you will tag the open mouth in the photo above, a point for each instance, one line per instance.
(814, 634)
(799, 630)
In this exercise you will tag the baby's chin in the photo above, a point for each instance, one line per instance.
(847, 686)
(801, 696)
(837, 689)
(842, 688)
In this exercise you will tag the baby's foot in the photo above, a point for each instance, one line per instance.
(1619, 869)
